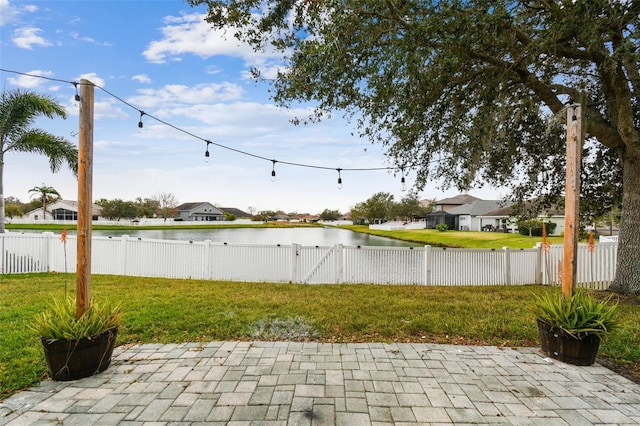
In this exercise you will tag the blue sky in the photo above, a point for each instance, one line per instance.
(161, 57)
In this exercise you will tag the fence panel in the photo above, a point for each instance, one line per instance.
(244, 262)
(23, 252)
(319, 265)
(523, 266)
(384, 265)
(594, 270)
(467, 267)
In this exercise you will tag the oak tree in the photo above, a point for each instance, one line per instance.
(466, 91)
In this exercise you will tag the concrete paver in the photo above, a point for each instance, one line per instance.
(294, 383)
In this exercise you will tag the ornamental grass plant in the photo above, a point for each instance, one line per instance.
(59, 322)
(578, 315)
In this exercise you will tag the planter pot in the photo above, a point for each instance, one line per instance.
(559, 345)
(75, 359)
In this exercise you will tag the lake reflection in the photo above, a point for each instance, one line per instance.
(283, 236)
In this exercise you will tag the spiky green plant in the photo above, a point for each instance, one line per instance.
(59, 321)
(577, 315)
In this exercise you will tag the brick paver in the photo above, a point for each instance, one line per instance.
(280, 383)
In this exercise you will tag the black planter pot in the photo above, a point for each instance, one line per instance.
(559, 345)
(75, 359)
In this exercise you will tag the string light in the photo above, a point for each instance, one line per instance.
(206, 152)
(403, 182)
(77, 97)
(208, 142)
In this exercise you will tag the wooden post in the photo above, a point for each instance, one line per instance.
(85, 202)
(572, 199)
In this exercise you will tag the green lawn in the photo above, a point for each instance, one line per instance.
(170, 311)
(467, 239)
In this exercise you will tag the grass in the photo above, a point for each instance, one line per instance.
(172, 311)
(467, 239)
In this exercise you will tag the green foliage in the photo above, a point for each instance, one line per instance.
(442, 227)
(383, 207)
(410, 207)
(59, 321)
(12, 210)
(329, 215)
(467, 92)
(18, 110)
(119, 209)
(379, 207)
(229, 217)
(533, 227)
(576, 315)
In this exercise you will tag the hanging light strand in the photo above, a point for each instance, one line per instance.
(208, 142)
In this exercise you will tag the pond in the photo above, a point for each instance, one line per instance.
(306, 236)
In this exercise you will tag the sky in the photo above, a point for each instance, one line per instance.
(160, 57)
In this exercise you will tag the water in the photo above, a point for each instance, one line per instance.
(283, 236)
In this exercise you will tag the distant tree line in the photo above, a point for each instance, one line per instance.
(382, 207)
(160, 205)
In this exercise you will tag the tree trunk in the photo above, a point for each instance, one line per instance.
(627, 279)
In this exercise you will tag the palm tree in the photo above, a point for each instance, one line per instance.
(18, 110)
(47, 194)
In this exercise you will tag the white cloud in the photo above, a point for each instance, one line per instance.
(190, 34)
(28, 82)
(7, 12)
(179, 94)
(92, 77)
(75, 35)
(27, 37)
(141, 78)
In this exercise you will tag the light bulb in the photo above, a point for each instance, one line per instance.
(273, 175)
(339, 183)
(403, 184)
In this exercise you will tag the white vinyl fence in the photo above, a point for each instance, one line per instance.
(24, 253)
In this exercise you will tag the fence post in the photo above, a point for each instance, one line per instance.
(123, 254)
(295, 260)
(48, 247)
(207, 260)
(427, 265)
(507, 265)
(538, 277)
(339, 264)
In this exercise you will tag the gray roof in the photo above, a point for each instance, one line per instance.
(459, 199)
(478, 207)
(191, 206)
(508, 211)
(235, 211)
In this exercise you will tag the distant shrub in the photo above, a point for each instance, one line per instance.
(533, 228)
(442, 227)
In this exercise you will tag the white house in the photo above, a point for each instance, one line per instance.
(199, 211)
(468, 214)
(504, 219)
(62, 210)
